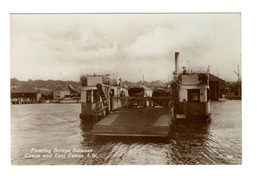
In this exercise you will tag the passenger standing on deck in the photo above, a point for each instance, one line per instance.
(122, 95)
(184, 71)
(111, 94)
(120, 82)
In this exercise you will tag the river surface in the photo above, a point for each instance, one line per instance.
(52, 134)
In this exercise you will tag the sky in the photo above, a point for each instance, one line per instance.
(60, 46)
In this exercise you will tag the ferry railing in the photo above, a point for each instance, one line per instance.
(99, 111)
(98, 72)
(125, 102)
(101, 108)
(192, 70)
(141, 102)
(157, 101)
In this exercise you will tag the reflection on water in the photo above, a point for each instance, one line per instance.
(58, 126)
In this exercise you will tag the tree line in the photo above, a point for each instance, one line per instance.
(52, 84)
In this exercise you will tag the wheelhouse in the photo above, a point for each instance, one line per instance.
(190, 92)
(98, 88)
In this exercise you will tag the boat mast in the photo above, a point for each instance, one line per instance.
(176, 62)
(208, 75)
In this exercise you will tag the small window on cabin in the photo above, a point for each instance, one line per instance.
(112, 92)
(84, 81)
(95, 96)
(88, 96)
(208, 94)
(193, 95)
(106, 91)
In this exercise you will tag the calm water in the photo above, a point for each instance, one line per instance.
(52, 134)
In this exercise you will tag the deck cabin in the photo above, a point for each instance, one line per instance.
(98, 88)
(191, 95)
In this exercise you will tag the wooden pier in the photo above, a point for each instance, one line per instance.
(143, 122)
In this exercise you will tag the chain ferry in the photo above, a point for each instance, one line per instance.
(190, 92)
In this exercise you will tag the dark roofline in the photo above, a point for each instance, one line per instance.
(23, 89)
(215, 78)
(60, 88)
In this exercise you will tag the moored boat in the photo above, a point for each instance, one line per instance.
(70, 100)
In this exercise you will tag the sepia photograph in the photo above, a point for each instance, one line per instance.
(126, 89)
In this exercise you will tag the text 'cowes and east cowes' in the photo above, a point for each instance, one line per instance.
(60, 153)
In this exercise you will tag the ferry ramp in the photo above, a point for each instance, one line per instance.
(143, 122)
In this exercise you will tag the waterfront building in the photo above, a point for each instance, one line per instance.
(217, 87)
(26, 94)
(59, 92)
(23, 94)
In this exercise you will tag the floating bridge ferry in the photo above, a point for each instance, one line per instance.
(116, 110)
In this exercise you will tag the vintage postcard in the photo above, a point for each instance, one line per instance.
(126, 89)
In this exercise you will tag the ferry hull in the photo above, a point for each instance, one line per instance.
(195, 108)
(201, 118)
(194, 112)
(88, 119)
(87, 115)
